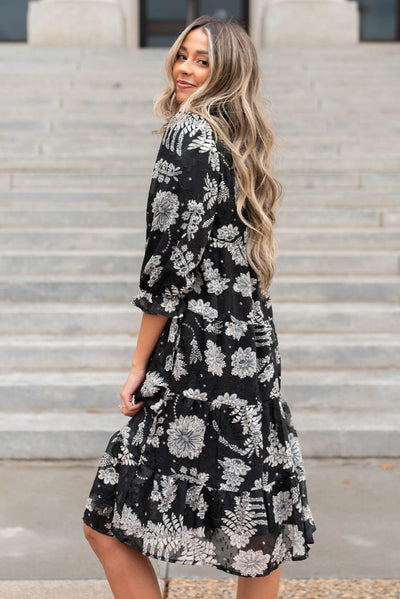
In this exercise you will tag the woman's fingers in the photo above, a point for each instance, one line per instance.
(131, 409)
(127, 394)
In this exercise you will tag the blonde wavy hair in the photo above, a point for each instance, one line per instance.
(229, 101)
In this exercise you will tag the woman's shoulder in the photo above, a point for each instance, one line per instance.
(190, 133)
(190, 123)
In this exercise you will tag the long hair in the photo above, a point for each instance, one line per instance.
(229, 101)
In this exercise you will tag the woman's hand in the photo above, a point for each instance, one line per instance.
(136, 376)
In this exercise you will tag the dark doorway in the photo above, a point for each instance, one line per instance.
(13, 20)
(379, 20)
(161, 22)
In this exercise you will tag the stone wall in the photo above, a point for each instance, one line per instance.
(115, 23)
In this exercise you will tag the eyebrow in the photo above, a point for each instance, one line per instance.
(197, 51)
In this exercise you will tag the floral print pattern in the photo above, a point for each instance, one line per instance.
(209, 471)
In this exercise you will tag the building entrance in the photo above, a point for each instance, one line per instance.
(380, 20)
(162, 21)
(13, 20)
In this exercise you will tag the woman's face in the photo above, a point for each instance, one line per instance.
(191, 67)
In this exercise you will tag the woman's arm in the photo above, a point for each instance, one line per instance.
(149, 333)
(150, 330)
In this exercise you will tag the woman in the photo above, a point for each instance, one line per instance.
(208, 469)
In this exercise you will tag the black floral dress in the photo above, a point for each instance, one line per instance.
(209, 472)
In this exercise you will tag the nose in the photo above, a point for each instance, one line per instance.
(185, 67)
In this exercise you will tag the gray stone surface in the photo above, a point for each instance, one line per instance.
(75, 164)
(304, 23)
(97, 390)
(62, 589)
(325, 433)
(315, 262)
(76, 23)
(354, 503)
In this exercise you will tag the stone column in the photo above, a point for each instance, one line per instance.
(83, 23)
(305, 23)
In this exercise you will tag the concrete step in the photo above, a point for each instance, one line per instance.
(121, 288)
(303, 318)
(339, 390)
(97, 352)
(78, 199)
(77, 434)
(111, 318)
(69, 319)
(77, 181)
(123, 178)
(90, 218)
(329, 262)
(330, 238)
(336, 288)
(104, 160)
(96, 216)
(75, 262)
(125, 161)
(130, 237)
(338, 198)
(72, 238)
(339, 351)
(68, 353)
(310, 390)
(82, 198)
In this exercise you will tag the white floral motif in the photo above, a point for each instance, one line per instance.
(203, 308)
(165, 210)
(244, 362)
(164, 493)
(282, 505)
(211, 189)
(251, 563)
(280, 552)
(241, 523)
(196, 501)
(186, 437)
(165, 171)
(297, 539)
(277, 453)
(228, 232)
(195, 394)
(214, 358)
(153, 269)
(182, 258)
(193, 215)
(234, 470)
(109, 475)
(245, 285)
(179, 369)
(295, 453)
(152, 383)
(215, 282)
(236, 328)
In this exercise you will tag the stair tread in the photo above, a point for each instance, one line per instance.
(84, 420)
(317, 377)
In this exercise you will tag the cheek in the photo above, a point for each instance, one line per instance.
(204, 75)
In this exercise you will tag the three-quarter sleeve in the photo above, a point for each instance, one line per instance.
(181, 208)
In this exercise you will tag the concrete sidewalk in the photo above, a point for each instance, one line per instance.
(207, 588)
(354, 503)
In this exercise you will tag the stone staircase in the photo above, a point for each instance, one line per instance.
(76, 153)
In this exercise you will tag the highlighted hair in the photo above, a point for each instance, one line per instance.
(229, 101)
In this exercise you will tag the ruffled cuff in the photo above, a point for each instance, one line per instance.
(167, 304)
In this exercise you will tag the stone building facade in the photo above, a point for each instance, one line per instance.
(134, 23)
